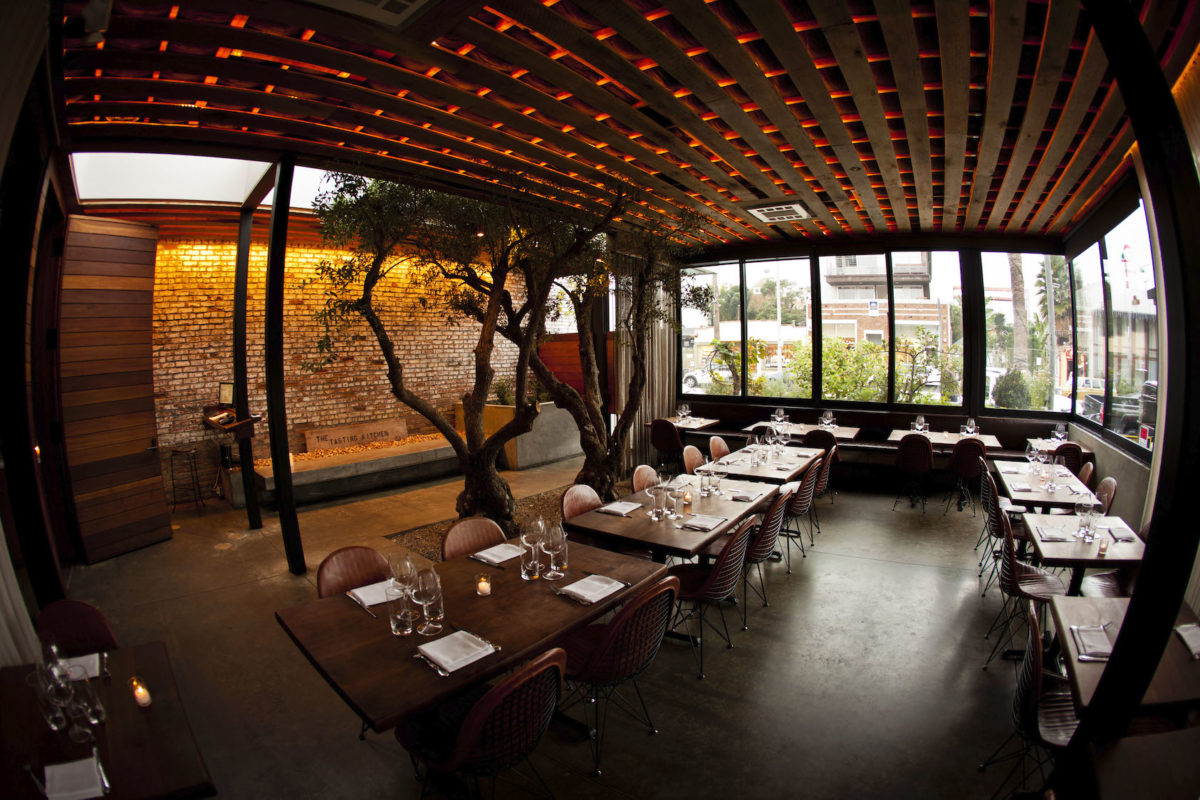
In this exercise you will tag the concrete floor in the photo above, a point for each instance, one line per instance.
(862, 678)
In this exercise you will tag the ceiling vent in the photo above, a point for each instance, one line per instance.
(780, 212)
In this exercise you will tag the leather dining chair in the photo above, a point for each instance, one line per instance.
(604, 656)
(692, 458)
(578, 499)
(470, 535)
(1106, 492)
(1085, 473)
(964, 467)
(1070, 455)
(482, 732)
(824, 487)
(1114, 583)
(914, 458)
(76, 628)
(717, 448)
(350, 567)
(665, 438)
(645, 475)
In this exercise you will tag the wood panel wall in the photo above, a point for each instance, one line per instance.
(107, 387)
(560, 352)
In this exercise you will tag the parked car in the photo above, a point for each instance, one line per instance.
(1126, 408)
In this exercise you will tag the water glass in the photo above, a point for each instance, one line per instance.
(51, 711)
(702, 474)
(963, 430)
(921, 426)
(554, 545)
(530, 567)
(401, 614)
(85, 694)
(429, 595)
(972, 428)
(675, 491)
(719, 471)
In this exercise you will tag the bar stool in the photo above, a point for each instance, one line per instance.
(188, 454)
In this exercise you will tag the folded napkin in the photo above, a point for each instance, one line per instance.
(620, 509)
(1092, 642)
(592, 588)
(370, 595)
(1120, 537)
(1049, 537)
(498, 553)
(456, 650)
(1064, 472)
(701, 522)
(1009, 467)
(90, 663)
(1019, 486)
(785, 467)
(745, 496)
(1190, 633)
(75, 780)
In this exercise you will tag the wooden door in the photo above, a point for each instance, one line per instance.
(107, 386)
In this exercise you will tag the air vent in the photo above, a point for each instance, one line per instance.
(780, 212)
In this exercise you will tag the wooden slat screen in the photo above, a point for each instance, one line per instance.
(107, 386)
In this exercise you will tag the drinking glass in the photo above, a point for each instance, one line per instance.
(429, 595)
(400, 611)
(85, 692)
(1060, 431)
(963, 430)
(687, 410)
(51, 711)
(404, 572)
(719, 471)
(921, 422)
(702, 472)
(78, 708)
(972, 428)
(1083, 511)
(826, 419)
(554, 545)
(653, 491)
(779, 415)
(531, 539)
(675, 492)
(1031, 453)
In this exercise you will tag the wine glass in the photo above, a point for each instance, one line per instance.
(554, 545)
(685, 410)
(719, 471)
(971, 426)
(920, 422)
(404, 572)
(429, 595)
(1031, 453)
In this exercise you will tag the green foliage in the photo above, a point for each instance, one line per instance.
(1011, 391)
(855, 371)
(503, 388)
(726, 364)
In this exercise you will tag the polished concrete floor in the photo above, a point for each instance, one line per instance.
(861, 679)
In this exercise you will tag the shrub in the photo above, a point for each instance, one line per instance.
(1010, 391)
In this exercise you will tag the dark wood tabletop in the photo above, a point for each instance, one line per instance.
(776, 469)
(663, 538)
(1019, 482)
(801, 428)
(146, 752)
(947, 439)
(1159, 765)
(1176, 684)
(1078, 554)
(376, 673)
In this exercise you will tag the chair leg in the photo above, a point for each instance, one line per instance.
(645, 710)
(814, 522)
(599, 713)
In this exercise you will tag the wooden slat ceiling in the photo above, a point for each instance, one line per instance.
(877, 116)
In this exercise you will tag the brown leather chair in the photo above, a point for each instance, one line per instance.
(1114, 583)
(577, 499)
(1070, 455)
(350, 567)
(717, 448)
(692, 458)
(701, 585)
(822, 438)
(1106, 492)
(914, 458)
(470, 535)
(76, 628)
(486, 730)
(1085, 473)
(964, 467)
(603, 656)
(645, 475)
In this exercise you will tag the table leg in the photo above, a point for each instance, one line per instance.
(1076, 581)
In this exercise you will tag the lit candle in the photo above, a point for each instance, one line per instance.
(687, 498)
(1103, 547)
(483, 584)
(141, 694)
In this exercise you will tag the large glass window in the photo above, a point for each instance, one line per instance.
(711, 352)
(1091, 334)
(929, 331)
(1026, 363)
(1133, 341)
(778, 332)
(854, 328)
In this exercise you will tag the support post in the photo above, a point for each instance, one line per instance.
(241, 393)
(289, 525)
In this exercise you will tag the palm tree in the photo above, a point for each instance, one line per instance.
(1020, 314)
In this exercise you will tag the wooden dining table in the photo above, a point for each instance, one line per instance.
(1056, 545)
(1176, 683)
(145, 752)
(378, 674)
(662, 537)
(689, 423)
(1050, 445)
(947, 439)
(1020, 482)
(776, 468)
(801, 428)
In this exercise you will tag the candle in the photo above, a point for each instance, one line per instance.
(483, 584)
(687, 498)
(141, 694)
(1103, 545)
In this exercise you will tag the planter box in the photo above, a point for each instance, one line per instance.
(554, 435)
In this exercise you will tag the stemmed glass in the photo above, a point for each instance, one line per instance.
(653, 491)
(719, 471)
(685, 411)
(972, 428)
(826, 419)
(531, 539)
(921, 422)
(554, 545)
(1060, 432)
(1031, 454)
(675, 492)
(429, 595)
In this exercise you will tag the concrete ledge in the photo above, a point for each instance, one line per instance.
(351, 473)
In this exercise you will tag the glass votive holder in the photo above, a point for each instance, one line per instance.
(1103, 547)
(141, 695)
(483, 584)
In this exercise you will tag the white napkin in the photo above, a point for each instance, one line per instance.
(90, 663)
(498, 553)
(370, 595)
(592, 588)
(785, 467)
(1008, 467)
(745, 496)
(701, 522)
(456, 650)
(1190, 633)
(620, 509)
(1019, 486)
(75, 780)
(1091, 641)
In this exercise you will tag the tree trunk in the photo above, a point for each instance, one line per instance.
(486, 493)
(1020, 314)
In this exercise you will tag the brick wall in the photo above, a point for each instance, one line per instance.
(193, 334)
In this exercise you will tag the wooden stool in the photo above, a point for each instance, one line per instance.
(188, 454)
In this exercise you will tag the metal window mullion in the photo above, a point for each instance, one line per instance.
(891, 379)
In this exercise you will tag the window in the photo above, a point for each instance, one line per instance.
(1091, 334)
(1026, 356)
(711, 352)
(854, 351)
(1133, 335)
(779, 336)
(929, 332)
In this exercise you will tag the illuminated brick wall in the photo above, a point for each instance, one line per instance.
(193, 334)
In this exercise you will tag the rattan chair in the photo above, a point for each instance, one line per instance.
(914, 459)
(692, 458)
(1106, 492)
(665, 438)
(76, 628)
(483, 732)
(1043, 714)
(1070, 455)
(701, 585)
(1019, 583)
(350, 567)
(762, 546)
(800, 506)
(470, 535)
(645, 475)
(603, 657)
(964, 467)
(717, 448)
